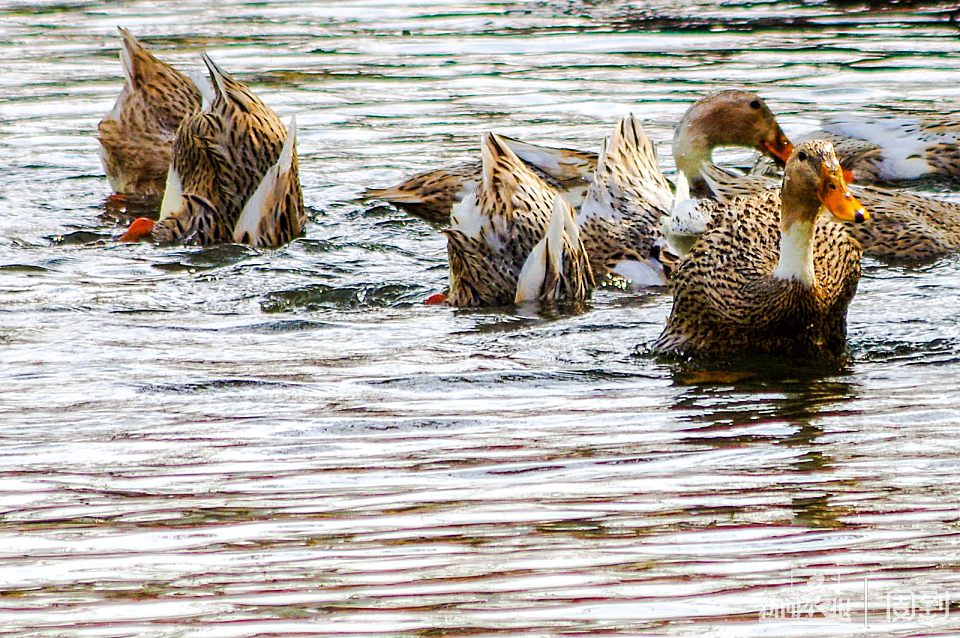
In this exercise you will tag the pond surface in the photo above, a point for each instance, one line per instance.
(232, 442)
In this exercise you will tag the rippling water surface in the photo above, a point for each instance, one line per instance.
(232, 442)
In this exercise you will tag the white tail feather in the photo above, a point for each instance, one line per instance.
(264, 200)
(172, 194)
(546, 256)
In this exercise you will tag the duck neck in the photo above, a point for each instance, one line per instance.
(796, 253)
(690, 150)
(798, 217)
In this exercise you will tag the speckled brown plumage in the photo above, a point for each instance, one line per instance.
(727, 300)
(620, 218)
(906, 227)
(497, 226)
(136, 137)
(220, 156)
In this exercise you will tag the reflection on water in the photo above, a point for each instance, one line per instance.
(228, 441)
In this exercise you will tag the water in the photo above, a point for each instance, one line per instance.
(231, 442)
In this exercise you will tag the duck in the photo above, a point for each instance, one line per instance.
(731, 117)
(619, 220)
(772, 274)
(514, 239)
(908, 228)
(892, 149)
(233, 176)
(136, 137)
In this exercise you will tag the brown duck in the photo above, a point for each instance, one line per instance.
(772, 274)
(234, 174)
(513, 238)
(136, 137)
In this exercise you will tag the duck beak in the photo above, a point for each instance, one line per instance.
(848, 176)
(140, 228)
(837, 198)
(778, 148)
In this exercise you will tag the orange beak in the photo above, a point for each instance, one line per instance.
(140, 228)
(837, 198)
(778, 148)
(848, 176)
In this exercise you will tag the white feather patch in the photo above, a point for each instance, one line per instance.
(796, 254)
(172, 194)
(546, 255)
(467, 217)
(902, 140)
(686, 221)
(263, 200)
(641, 274)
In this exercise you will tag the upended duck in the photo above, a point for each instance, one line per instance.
(513, 239)
(136, 137)
(233, 176)
(771, 274)
(727, 118)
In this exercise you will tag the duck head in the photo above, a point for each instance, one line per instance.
(728, 118)
(813, 182)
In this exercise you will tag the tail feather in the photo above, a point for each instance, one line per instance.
(269, 194)
(542, 270)
(129, 53)
(628, 182)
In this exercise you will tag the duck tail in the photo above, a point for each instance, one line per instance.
(498, 164)
(627, 170)
(543, 267)
(631, 147)
(134, 58)
(226, 88)
(269, 194)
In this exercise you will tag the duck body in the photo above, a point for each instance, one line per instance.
(234, 173)
(764, 279)
(900, 148)
(137, 136)
(494, 233)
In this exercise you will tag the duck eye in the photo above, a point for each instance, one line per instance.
(802, 156)
(755, 104)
